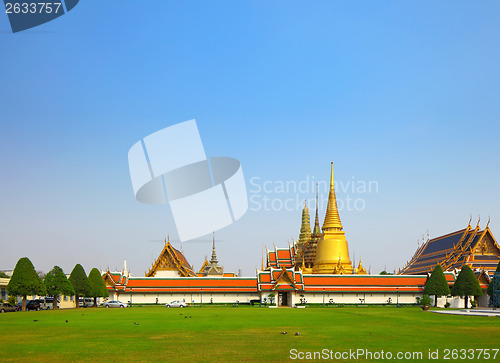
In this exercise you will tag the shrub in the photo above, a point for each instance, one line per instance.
(425, 300)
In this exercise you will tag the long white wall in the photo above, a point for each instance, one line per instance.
(346, 298)
(163, 298)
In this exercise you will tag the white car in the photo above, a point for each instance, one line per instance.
(176, 304)
(115, 304)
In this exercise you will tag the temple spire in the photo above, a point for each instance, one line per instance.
(316, 230)
(332, 219)
(305, 227)
(214, 257)
(213, 268)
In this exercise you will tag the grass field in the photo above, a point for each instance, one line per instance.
(211, 334)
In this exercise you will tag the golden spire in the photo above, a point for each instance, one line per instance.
(316, 230)
(332, 219)
(262, 263)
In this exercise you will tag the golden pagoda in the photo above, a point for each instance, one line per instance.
(305, 229)
(332, 251)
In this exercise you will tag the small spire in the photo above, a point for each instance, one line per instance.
(487, 224)
(316, 230)
(262, 263)
(332, 219)
(479, 220)
(214, 257)
(470, 219)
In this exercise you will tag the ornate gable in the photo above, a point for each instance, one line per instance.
(285, 280)
(486, 245)
(171, 261)
(108, 279)
(205, 264)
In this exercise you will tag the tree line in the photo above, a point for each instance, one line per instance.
(25, 281)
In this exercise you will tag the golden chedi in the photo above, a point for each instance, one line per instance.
(332, 251)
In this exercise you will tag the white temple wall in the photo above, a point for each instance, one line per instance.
(195, 298)
(349, 298)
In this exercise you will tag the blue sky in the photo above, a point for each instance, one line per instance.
(401, 93)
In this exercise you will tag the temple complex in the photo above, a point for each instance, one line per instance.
(314, 269)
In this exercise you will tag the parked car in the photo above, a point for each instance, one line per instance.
(115, 304)
(86, 302)
(47, 303)
(4, 308)
(34, 305)
(176, 304)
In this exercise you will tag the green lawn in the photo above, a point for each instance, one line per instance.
(235, 334)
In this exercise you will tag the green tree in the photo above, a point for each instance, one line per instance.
(80, 283)
(57, 283)
(12, 300)
(97, 286)
(271, 298)
(490, 285)
(466, 285)
(437, 284)
(25, 281)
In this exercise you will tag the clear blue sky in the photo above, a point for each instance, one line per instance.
(403, 93)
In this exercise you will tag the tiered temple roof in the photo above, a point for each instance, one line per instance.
(469, 246)
(283, 279)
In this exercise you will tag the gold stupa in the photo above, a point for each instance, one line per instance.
(332, 251)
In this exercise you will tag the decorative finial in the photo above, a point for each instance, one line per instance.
(479, 220)
(262, 263)
(470, 219)
(487, 224)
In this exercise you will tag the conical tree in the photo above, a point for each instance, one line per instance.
(466, 285)
(25, 281)
(490, 285)
(80, 283)
(97, 285)
(437, 284)
(57, 283)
